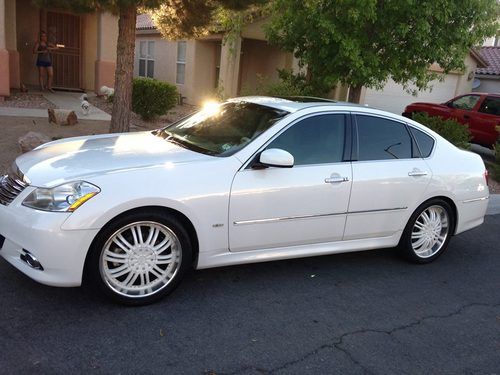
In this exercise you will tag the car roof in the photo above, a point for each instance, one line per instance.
(293, 103)
(291, 106)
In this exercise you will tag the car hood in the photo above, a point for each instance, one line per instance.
(78, 158)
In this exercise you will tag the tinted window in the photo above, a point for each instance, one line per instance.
(315, 140)
(381, 139)
(466, 102)
(490, 106)
(424, 142)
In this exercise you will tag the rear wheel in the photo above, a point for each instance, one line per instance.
(428, 231)
(139, 258)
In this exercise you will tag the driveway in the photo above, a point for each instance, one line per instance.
(355, 313)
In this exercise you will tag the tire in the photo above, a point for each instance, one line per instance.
(139, 258)
(428, 232)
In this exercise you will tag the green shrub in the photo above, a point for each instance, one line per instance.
(152, 98)
(289, 84)
(453, 131)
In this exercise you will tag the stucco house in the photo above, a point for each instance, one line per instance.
(87, 60)
(201, 67)
(394, 98)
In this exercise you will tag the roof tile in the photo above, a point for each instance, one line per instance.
(144, 22)
(492, 56)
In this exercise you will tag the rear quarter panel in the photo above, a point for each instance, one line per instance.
(459, 175)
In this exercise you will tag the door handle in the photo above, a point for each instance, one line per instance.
(417, 172)
(335, 179)
(466, 117)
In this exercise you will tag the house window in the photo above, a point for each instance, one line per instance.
(181, 63)
(146, 59)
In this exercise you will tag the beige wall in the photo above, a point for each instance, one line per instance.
(489, 84)
(466, 78)
(89, 50)
(10, 25)
(258, 58)
(200, 65)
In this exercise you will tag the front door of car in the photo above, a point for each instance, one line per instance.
(277, 207)
(462, 109)
(389, 178)
(488, 118)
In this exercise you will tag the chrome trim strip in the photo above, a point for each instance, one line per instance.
(379, 210)
(475, 200)
(289, 218)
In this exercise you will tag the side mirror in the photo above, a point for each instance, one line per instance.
(275, 157)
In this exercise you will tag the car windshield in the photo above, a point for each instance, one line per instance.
(222, 129)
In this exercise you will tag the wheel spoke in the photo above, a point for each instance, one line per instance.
(132, 280)
(153, 236)
(119, 271)
(123, 243)
(114, 255)
(417, 235)
(165, 244)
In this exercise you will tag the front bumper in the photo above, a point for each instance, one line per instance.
(61, 252)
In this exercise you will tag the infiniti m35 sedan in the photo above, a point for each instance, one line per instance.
(253, 179)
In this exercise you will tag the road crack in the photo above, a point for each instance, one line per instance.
(337, 343)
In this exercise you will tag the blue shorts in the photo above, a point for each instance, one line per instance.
(43, 64)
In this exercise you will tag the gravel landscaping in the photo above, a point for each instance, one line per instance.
(19, 99)
(173, 115)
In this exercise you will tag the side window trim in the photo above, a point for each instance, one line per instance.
(347, 133)
(355, 147)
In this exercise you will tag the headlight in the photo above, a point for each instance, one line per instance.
(62, 198)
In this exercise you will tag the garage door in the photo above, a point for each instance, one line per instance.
(394, 98)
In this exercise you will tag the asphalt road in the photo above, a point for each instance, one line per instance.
(356, 313)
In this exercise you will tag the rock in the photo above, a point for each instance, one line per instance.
(32, 140)
(62, 117)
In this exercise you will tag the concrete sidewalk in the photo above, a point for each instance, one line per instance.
(62, 100)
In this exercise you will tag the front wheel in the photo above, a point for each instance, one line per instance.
(139, 258)
(428, 231)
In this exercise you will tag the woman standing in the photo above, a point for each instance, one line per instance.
(42, 49)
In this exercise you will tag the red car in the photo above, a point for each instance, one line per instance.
(478, 110)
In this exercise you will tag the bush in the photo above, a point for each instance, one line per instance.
(453, 131)
(289, 84)
(152, 98)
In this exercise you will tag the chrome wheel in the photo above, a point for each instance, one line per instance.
(140, 259)
(430, 231)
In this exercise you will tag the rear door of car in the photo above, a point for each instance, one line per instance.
(389, 177)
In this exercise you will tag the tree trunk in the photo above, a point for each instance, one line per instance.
(120, 117)
(355, 94)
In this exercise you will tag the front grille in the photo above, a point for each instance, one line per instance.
(11, 185)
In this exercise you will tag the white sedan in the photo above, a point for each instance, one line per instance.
(250, 180)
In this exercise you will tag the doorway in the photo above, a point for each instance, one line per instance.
(64, 30)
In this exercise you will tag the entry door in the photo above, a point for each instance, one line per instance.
(64, 30)
(389, 179)
(306, 204)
